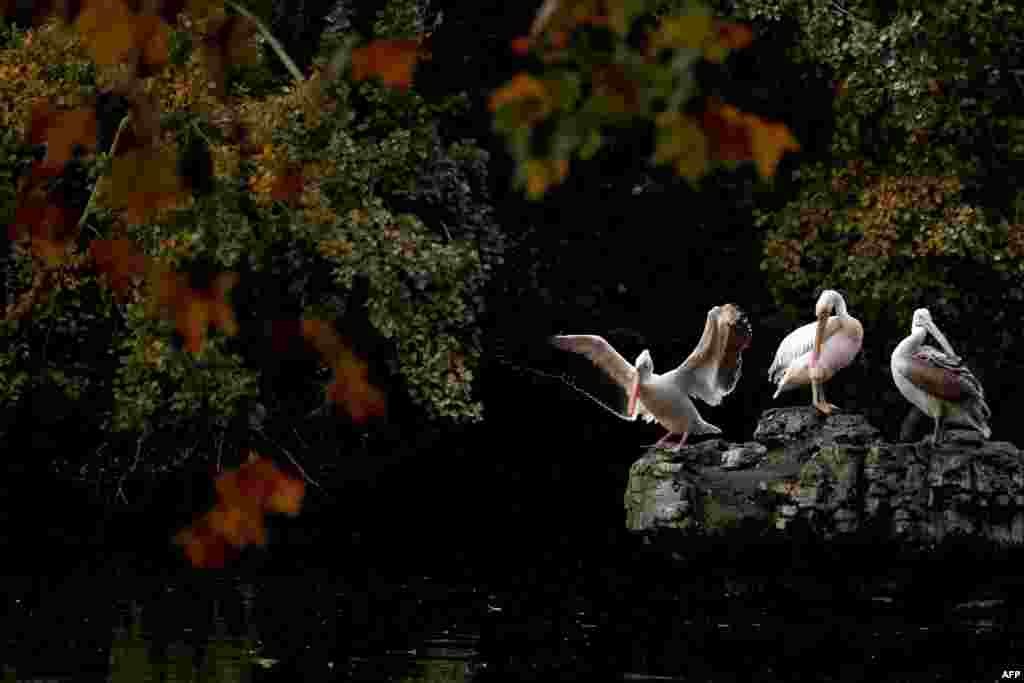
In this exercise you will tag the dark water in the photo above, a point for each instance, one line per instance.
(772, 610)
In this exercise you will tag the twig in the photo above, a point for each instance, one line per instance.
(278, 48)
(96, 185)
(135, 464)
(220, 449)
(292, 458)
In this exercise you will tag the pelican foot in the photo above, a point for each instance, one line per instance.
(826, 407)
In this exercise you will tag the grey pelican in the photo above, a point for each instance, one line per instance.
(710, 372)
(938, 382)
(814, 353)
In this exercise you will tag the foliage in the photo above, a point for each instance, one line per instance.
(173, 170)
(244, 495)
(910, 205)
(598, 76)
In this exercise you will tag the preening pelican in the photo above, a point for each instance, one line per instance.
(938, 383)
(710, 372)
(812, 354)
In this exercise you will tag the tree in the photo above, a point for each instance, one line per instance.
(177, 179)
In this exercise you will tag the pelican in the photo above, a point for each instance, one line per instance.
(938, 383)
(817, 351)
(710, 373)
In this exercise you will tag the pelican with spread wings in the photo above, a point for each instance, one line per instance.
(814, 353)
(709, 373)
(938, 382)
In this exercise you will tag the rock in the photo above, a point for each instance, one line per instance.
(747, 455)
(837, 476)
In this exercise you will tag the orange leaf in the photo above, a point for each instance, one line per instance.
(770, 142)
(542, 174)
(737, 136)
(154, 37)
(682, 142)
(391, 60)
(120, 261)
(61, 131)
(350, 388)
(240, 525)
(204, 547)
(51, 225)
(521, 46)
(734, 36)
(287, 186)
(229, 40)
(728, 133)
(194, 310)
(144, 180)
(522, 87)
(237, 519)
(108, 30)
(287, 496)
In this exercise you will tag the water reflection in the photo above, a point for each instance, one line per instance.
(530, 625)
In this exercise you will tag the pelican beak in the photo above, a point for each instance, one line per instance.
(819, 335)
(633, 394)
(941, 338)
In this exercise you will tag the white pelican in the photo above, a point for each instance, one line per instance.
(710, 372)
(812, 354)
(938, 383)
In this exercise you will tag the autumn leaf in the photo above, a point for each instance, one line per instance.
(724, 38)
(120, 261)
(144, 180)
(620, 93)
(192, 310)
(524, 100)
(350, 387)
(681, 142)
(62, 131)
(287, 186)
(239, 525)
(565, 15)
(393, 61)
(114, 34)
(244, 496)
(229, 39)
(770, 142)
(688, 31)
(523, 86)
(738, 136)
(541, 174)
(733, 36)
(50, 223)
(728, 132)
(204, 546)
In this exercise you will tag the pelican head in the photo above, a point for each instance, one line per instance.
(829, 302)
(644, 365)
(923, 320)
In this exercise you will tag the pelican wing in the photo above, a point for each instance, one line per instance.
(797, 343)
(610, 362)
(944, 377)
(800, 342)
(715, 365)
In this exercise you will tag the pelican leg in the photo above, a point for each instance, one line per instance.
(818, 394)
(937, 434)
(830, 407)
(679, 446)
(663, 441)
